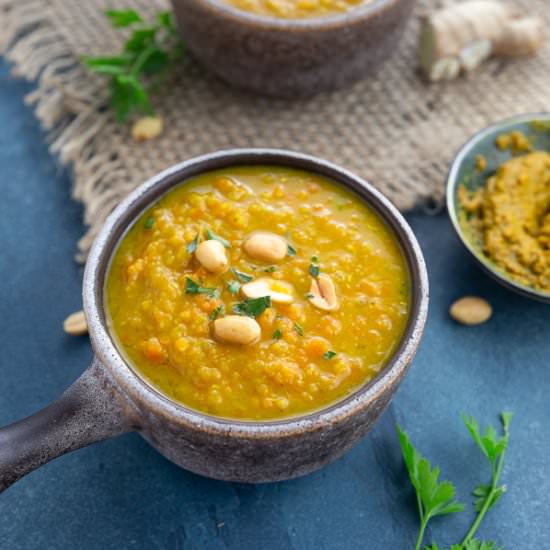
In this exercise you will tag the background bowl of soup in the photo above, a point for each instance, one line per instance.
(307, 387)
(292, 48)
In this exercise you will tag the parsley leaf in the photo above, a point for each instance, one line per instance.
(165, 19)
(252, 307)
(219, 311)
(149, 50)
(277, 335)
(329, 354)
(213, 237)
(123, 18)
(434, 497)
(243, 277)
(149, 223)
(290, 250)
(192, 246)
(299, 329)
(270, 269)
(233, 287)
(485, 493)
(191, 287)
(314, 270)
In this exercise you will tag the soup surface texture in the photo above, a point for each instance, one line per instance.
(315, 319)
(296, 9)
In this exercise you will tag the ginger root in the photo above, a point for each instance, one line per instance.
(461, 36)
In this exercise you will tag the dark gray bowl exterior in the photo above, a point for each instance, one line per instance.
(293, 58)
(248, 451)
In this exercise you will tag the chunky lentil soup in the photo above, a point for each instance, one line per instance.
(296, 9)
(258, 293)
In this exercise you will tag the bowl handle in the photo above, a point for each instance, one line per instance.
(91, 410)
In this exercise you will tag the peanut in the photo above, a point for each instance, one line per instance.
(75, 324)
(323, 293)
(211, 255)
(236, 329)
(268, 247)
(278, 291)
(471, 310)
(148, 127)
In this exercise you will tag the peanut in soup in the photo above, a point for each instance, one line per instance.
(258, 293)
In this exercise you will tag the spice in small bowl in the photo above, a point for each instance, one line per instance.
(499, 207)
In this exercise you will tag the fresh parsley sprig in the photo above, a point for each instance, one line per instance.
(314, 270)
(437, 498)
(192, 246)
(434, 498)
(217, 312)
(148, 52)
(233, 287)
(243, 277)
(192, 287)
(211, 236)
(493, 448)
(252, 307)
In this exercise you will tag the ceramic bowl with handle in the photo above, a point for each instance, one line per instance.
(536, 127)
(110, 398)
(291, 57)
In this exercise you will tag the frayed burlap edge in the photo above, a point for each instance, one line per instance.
(68, 102)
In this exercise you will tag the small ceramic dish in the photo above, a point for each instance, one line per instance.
(536, 127)
(110, 398)
(286, 57)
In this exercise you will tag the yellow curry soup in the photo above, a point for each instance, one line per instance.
(310, 281)
(295, 9)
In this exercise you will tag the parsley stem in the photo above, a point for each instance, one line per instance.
(420, 508)
(489, 500)
(423, 524)
(142, 58)
(482, 512)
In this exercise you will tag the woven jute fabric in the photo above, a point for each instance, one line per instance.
(393, 129)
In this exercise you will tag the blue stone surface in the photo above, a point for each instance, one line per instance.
(123, 494)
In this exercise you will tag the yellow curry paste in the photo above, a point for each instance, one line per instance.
(510, 218)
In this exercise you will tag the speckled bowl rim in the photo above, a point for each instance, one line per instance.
(266, 22)
(453, 183)
(142, 393)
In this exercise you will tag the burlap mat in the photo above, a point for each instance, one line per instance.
(393, 129)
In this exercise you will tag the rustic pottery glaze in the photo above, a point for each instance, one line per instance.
(291, 58)
(535, 127)
(110, 398)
